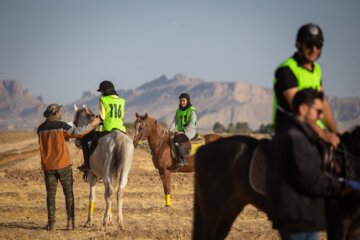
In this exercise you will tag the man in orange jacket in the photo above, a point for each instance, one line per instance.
(55, 160)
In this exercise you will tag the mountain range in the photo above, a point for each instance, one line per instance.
(223, 102)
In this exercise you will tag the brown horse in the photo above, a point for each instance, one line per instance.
(223, 189)
(147, 128)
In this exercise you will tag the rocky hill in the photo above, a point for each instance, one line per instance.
(18, 108)
(223, 102)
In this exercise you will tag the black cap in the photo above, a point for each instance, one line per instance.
(310, 33)
(106, 86)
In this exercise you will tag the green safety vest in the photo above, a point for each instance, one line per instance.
(183, 118)
(114, 113)
(305, 79)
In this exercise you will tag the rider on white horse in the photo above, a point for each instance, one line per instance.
(111, 112)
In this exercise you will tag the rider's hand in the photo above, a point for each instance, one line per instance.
(332, 139)
(95, 121)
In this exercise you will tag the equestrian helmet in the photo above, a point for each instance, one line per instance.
(106, 86)
(310, 33)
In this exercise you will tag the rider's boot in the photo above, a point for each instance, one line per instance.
(181, 158)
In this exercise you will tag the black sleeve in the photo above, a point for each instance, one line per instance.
(285, 79)
(306, 169)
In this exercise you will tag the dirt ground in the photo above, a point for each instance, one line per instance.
(23, 200)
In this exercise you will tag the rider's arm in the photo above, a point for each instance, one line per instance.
(76, 132)
(290, 94)
(173, 125)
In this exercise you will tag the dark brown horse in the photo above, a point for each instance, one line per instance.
(147, 128)
(223, 189)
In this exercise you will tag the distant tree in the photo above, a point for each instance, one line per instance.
(266, 128)
(230, 128)
(218, 128)
(242, 127)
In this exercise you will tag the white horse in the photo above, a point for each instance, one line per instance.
(110, 161)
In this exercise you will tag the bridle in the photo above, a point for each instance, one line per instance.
(144, 133)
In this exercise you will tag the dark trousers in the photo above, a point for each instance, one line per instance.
(88, 144)
(65, 177)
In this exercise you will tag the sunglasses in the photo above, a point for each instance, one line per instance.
(310, 45)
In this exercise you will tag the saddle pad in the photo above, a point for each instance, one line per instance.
(196, 143)
(258, 168)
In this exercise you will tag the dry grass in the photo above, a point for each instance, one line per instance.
(23, 201)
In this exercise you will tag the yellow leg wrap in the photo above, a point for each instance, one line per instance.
(109, 209)
(167, 200)
(91, 207)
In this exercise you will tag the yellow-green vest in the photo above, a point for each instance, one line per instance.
(114, 113)
(305, 79)
(183, 118)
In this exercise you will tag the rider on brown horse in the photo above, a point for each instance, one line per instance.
(111, 111)
(185, 120)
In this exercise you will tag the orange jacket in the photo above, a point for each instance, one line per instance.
(53, 148)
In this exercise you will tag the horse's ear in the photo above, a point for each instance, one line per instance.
(75, 108)
(137, 115)
(145, 116)
(155, 122)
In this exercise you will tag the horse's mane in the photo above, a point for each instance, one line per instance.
(77, 115)
(163, 132)
(351, 139)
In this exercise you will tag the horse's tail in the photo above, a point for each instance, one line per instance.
(123, 156)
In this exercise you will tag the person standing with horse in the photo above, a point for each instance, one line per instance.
(184, 124)
(111, 112)
(55, 160)
(298, 72)
(297, 186)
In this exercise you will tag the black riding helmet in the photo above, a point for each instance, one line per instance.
(310, 33)
(107, 88)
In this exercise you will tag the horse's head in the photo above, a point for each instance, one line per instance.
(348, 154)
(142, 126)
(82, 118)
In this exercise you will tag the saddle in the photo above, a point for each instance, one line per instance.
(258, 167)
(258, 164)
(189, 146)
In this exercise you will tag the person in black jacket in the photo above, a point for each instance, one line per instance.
(297, 187)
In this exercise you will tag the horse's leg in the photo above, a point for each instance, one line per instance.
(228, 217)
(92, 184)
(107, 196)
(198, 218)
(166, 181)
(128, 157)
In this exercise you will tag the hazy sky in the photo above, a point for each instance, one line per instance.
(59, 49)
